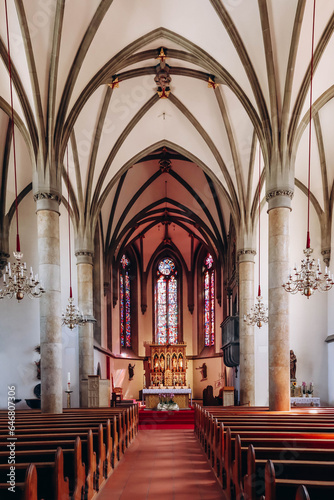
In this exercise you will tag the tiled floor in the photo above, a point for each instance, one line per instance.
(163, 465)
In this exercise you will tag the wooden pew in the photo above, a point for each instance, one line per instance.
(102, 447)
(288, 489)
(291, 436)
(52, 484)
(26, 490)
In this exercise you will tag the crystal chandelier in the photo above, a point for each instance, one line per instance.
(72, 316)
(16, 282)
(308, 278)
(259, 312)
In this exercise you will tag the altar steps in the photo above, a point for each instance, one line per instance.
(182, 419)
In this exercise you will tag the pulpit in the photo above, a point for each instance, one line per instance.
(96, 392)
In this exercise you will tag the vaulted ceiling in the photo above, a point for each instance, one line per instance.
(140, 163)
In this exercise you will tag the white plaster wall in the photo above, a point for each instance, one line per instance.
(330, 358)
(19, 322)
(261, 334)
(69, 337)
(215, 370)
(308, 317)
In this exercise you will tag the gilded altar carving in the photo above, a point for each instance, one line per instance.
(168, 365)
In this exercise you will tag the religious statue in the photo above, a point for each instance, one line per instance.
(204, 371)
(293, 365)
(131, 371)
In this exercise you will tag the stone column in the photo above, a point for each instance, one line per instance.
(278, 324)
(246, 332)
(47, 207)
(85, 303)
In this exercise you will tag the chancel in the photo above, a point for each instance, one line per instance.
(156, 160)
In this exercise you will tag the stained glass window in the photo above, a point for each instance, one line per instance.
(166, 305)
(125, 302)
(209, 302)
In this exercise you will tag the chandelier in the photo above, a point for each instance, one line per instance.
(16, 282)
(72, 316)
(259, 312)
(309, 278)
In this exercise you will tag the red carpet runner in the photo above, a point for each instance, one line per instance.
(182, 419)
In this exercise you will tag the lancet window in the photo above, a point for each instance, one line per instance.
(166, 302)
(209, 301)
(125, 302)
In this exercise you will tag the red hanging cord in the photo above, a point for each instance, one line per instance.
(69, 222)
(18, 249)
(259, 292)
(308, 240)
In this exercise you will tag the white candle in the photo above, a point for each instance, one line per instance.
(68, 377)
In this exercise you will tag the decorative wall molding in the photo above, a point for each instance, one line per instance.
(47, 196)
(84, 257)
(246, 252)
(326, 256)
(81, 253)
(279, 192)
(47, 201)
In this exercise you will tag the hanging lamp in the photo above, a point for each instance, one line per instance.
(16, 281)
(309, 278)
(259, 312)
(72, 316)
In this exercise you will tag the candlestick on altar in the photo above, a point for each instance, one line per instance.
(68, 392)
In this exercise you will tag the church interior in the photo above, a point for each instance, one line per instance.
(166, 201)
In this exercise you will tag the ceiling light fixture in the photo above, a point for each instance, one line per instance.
(308, 278)
(259, 312)
(72, 316)
(16, 282)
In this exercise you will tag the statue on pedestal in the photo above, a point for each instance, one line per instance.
(293, 365)
(131, 371)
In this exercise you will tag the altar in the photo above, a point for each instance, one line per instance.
(305, 401)
(180, 396)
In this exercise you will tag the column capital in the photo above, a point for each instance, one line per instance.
(326, 253)
(279, 198)
(47, 201)
(84, 257)
(246, 255)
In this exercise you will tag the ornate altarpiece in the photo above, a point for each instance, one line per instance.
(168, 365)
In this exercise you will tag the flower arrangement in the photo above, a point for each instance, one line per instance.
(307, 390)
(166, 402)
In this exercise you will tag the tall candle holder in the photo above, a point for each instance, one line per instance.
(68, 392)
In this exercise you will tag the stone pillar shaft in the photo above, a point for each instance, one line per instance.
(50, 311)
(246, 332)
(85, 303)
(279, 349)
